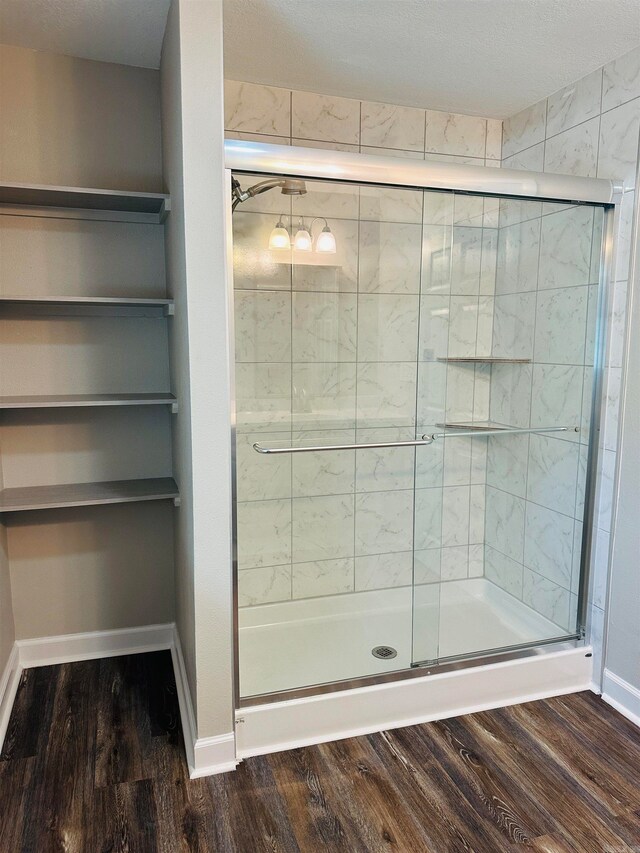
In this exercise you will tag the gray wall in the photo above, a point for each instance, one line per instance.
(192, 99)
(73, 121)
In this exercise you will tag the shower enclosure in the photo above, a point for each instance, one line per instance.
(416, 412)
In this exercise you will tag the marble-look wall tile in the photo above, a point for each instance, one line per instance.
(575, 103)
(387, 327)
(262, 326)
(463, 326)
(324, 395)
(327, 146)
(531, 159)
(323, 473)
(264, 585)
(618, 325)
(575, 151)
(260, 476)
(383, 571)
(428, 519)
(429, 461)
(389, 126)
(560, 323)
(455, 563)
(557, 396)
(477, 509)
(507, 459)
(489, 261)
(258, 137)
(600, 570)
(322, 528)
(612, 408)
(455, 515)
(384, 522)
(325, 117)
(484, 337)
(263, 396)
(552, 473)
(621, 81)
(517, 262)
(461, 135)
(503, 571)
(385, 469)
(460, 392)
(333, 200)
(324, 326)
(391, 152)
(607, 472)
(618, 153)
(434, 327)
(436, 259)
(524, 129)
(386, 394)
(504, 523)
(389, 257)
(494, 139)
(625, 237)
(565, 250)
(254, 108)
(466, 259)
(432, 386)
(581, 484)
(548, 544)
(264, 533)
(513, 325)
(388, 204)
(546, 598)
(476, 560)
(511, 394)
(322, 577)
(426, 566)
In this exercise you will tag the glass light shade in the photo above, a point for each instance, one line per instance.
(302, 241)
(326, 242)
(279, 238)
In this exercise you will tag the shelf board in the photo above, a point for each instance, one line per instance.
(82, 202)
(63, 401)
(87, 494)
(473, 425)
(44, 304)
(488, 359)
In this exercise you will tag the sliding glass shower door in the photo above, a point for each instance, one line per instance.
(395, 351)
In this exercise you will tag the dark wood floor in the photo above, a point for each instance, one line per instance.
(93, 762)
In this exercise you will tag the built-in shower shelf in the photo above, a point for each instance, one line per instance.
(87, 494)
(71, 401)
(487, 359)
(474, 425)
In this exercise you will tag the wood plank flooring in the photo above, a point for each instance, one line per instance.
(93, 763)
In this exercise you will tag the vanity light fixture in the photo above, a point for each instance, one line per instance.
(279, 237)
(302, 241)
(325, 243)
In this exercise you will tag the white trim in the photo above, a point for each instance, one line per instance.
(397, 171)
(317, 719)
(622, 696)
(205, 756)
(8, 689)
(44, 651)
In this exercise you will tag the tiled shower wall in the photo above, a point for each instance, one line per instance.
(331, 356)
(592, 128)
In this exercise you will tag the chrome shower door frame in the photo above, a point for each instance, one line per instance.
(345, 167)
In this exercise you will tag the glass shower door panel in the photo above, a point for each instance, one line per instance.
(516, 321)
(327, 356)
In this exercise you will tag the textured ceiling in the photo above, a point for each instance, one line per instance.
(126, 31)
(488, 57)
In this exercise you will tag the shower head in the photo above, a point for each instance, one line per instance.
(288, 186)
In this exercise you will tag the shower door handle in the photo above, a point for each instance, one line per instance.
(420, 442)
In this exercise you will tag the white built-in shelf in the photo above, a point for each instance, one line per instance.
(474, 425)
(76, 304)
(486, 359)
(82, 203)
(64, 401)
(88, 494)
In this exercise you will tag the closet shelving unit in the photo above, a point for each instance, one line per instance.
(20, 199)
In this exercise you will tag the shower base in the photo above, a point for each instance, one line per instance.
(323, 640)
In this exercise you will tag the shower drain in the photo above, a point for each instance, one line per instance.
(384, 652)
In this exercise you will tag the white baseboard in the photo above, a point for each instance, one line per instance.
(205, 756)
(622, 696)
(44, 651)
(9, 681)
(317, 719)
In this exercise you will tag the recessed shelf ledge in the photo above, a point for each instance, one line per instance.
(74, 304)
(480, 359)
(64, 401)
(88, 494)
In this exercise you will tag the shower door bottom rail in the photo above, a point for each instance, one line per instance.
(424, 441)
